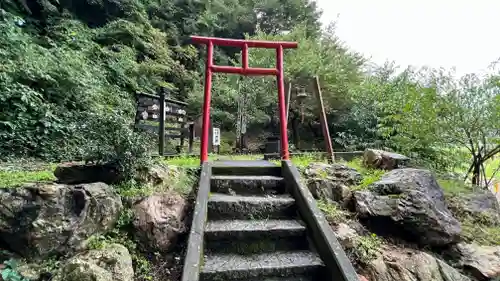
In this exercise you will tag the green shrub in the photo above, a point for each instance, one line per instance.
(53, 83)
(367, 248)
(332, 212)
(369, 175)
(110, 139)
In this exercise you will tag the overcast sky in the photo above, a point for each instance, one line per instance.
(437, 33)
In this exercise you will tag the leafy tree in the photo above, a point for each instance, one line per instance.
(337, 68)
(433, 113)
(278, 16)
(468, 117)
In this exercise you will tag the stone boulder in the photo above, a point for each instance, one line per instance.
(158, 220)
(346, 235)
(483, 262)
(390, 262)
(409, 203)
(158, 174)
(399, 264)
(111, 263)
(481, 206)
(44, 219)
(379, 159)
(79, 173)
(331, 181)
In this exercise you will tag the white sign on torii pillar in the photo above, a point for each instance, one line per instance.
(216, 136)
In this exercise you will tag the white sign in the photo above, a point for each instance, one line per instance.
(216, 136)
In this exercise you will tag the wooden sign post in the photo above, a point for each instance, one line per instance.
(162, 115)
(161, 128)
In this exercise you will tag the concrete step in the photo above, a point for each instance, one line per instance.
(224, 206)
(252, 246)
(298, 278)
(242, 229)
(254, 236)
(247, 185)
(246, 168)
(269, 265)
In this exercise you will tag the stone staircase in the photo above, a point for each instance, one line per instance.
(253, 230)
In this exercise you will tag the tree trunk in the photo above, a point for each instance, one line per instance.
(476, 170)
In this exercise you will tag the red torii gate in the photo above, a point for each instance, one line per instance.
(244, 70)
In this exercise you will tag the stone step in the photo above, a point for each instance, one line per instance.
(254, 236)
(224, 206)
(242, 229)
(297, 278)
(268, 265)
(246, 167)
(246, 185)
(252, 246)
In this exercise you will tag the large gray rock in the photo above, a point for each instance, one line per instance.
(111, 263)
(481, 206)
(379, 159)
(78, 173)
(410, 200)
(483, 262)
(158, 220)
(331, 181)
(44, 219)
(399, 264)
(394, 263)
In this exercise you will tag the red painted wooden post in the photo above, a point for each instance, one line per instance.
(243, 70)
(282, 106)
(206, 104)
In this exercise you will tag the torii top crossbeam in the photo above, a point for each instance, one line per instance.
(210, 68)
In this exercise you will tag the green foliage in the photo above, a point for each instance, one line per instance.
(303, 160)
(9, 273)
(480, 233)
(69, 71)
(52, 85)
(278, 16)
(181, 181)
(369, 175)
(332, 212)
(430, 114)
(336, 66)
(110, 139)
(453, 187)
(17, 178)
(62, 60)
(121, 235)
(367, 248)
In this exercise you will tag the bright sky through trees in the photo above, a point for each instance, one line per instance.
(436, 33)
